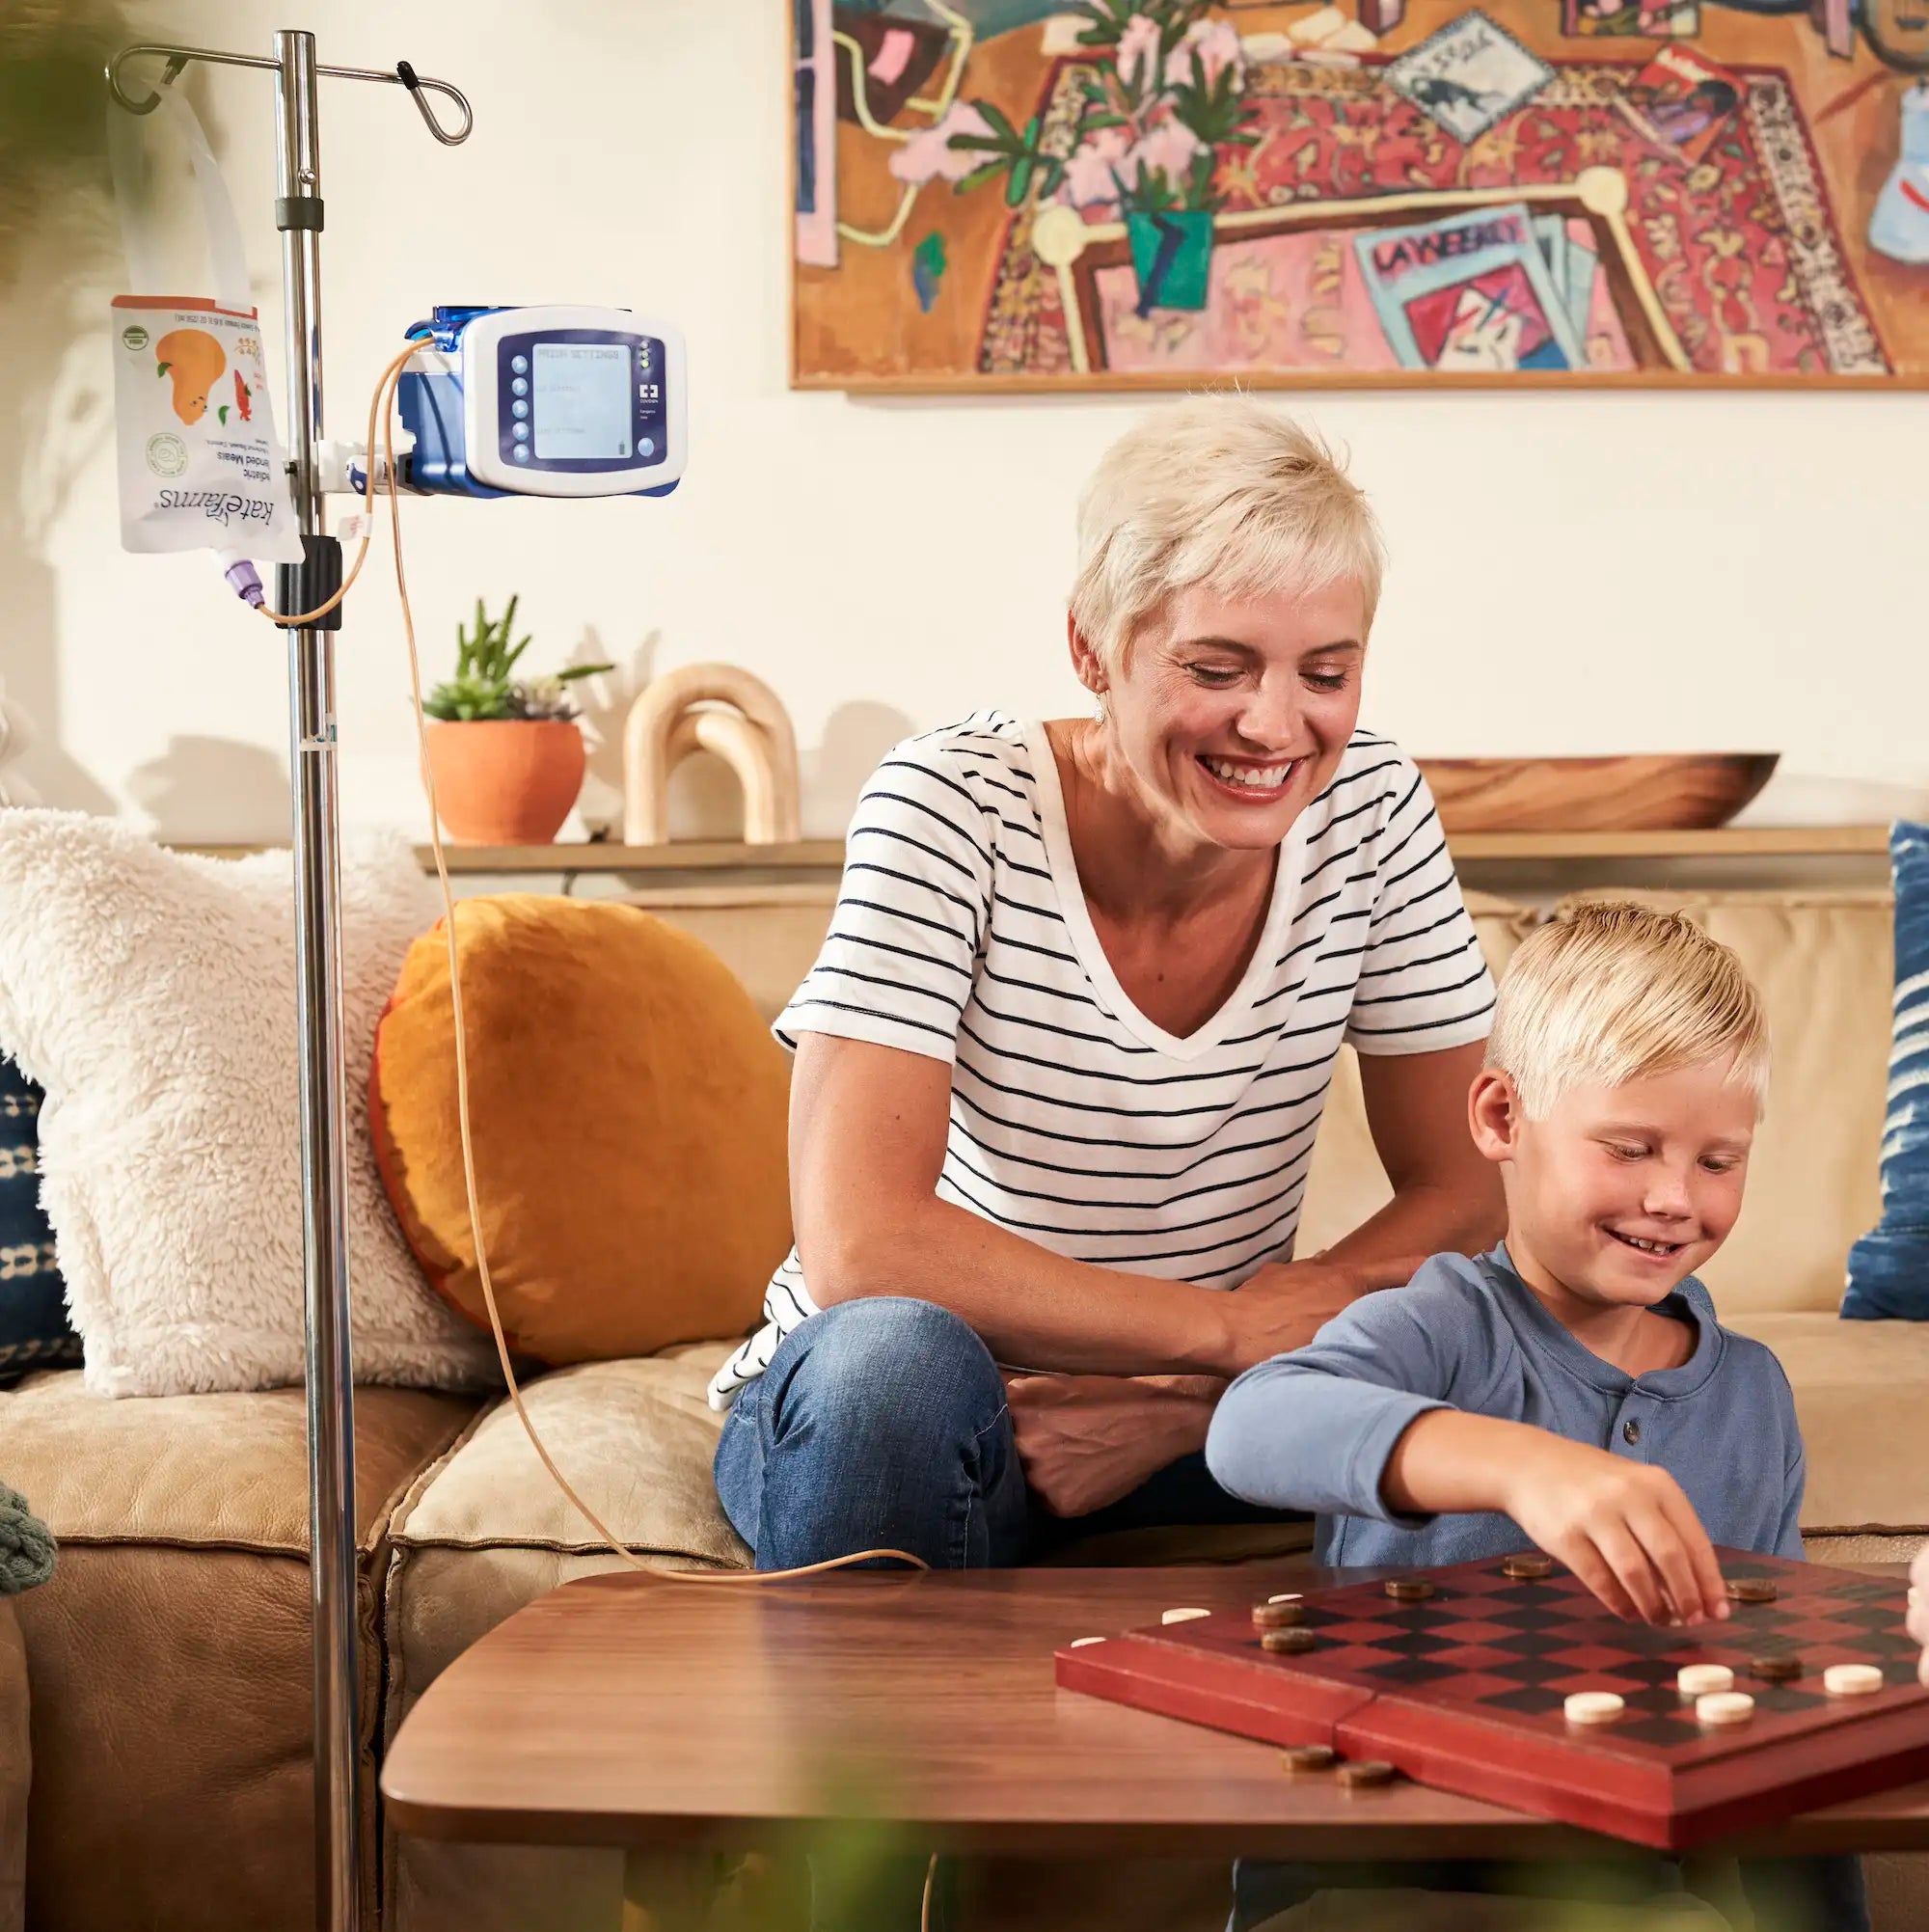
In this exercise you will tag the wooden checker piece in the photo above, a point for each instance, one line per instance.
(1292, 1642)
(1363, 1774)
(1471, 1696)
(1527, 1566)
(1408, 1589)
(1278, 1615)
(1302, 1759)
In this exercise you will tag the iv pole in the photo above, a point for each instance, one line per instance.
(317, 889)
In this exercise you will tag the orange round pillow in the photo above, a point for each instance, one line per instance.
(627, 1111)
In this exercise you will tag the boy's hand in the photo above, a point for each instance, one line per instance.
(1625, 1529)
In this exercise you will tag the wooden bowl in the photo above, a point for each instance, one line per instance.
(1666, 792)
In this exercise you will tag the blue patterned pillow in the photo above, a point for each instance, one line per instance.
(35, 1332)
(1888, 1269)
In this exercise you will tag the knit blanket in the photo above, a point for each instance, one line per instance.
(26, 1545)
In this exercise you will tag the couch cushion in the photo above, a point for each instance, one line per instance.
(35, 1332)
(627, 1101)
(228, 1470)
(1861, 1394)
(172, 1645)
(1821, 962)
(634, 1438)
(16, 1771)
(768, 936)
(1346, 1185)
(1888, 1267)
(166, 1044)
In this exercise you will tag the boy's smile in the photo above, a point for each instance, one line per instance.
(1620, 1191)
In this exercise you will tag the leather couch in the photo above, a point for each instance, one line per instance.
(16, 1766)
(169, 1656)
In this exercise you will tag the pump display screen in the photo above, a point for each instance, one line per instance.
(583, 401)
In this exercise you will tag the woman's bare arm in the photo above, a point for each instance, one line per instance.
(1446, 1193)
(867, 1135)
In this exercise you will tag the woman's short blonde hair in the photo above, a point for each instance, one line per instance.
(1617, 992)
(1222, 491)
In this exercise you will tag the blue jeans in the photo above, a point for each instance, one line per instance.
(880, 1423)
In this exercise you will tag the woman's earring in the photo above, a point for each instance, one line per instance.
(1100, 708)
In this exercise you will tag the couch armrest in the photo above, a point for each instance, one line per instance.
(15, 1764)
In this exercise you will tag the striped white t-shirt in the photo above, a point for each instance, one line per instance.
(962, 933)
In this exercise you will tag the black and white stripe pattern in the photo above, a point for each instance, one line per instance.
(961, 933)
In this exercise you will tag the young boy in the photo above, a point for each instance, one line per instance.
(1572, 1390)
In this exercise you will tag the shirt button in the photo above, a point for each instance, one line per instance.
(1630, 1430)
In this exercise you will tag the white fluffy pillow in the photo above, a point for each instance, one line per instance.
(153, 994)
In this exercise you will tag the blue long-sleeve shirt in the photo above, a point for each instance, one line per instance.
(1312, 1429)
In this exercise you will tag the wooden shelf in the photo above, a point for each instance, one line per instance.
(681, 856)
(727, 856)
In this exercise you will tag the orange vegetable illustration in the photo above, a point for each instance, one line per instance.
(243, 402)
(194, 358)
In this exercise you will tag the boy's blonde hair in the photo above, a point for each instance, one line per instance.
(1617, 992)
(1220, 491)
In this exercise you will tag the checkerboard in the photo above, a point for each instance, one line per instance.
(1466, 1691)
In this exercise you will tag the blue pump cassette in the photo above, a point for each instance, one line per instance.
(558, 400)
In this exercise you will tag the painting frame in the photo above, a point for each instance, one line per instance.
(927, 222)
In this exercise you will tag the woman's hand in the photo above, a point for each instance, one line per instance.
(1284, 1305)
(1625, 1529)
(1087, 1440)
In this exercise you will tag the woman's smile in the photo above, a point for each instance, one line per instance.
(1250, 781)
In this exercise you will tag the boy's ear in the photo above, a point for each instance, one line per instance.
(1493, 1114)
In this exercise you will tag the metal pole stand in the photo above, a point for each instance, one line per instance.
(317, 891)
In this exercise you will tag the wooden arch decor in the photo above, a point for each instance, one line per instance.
(675, 714)
(15, 735)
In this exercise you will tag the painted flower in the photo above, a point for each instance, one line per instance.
(1217, 43)
(929, 155)
(1089, 174)
(1168, 148)
(1137, 55)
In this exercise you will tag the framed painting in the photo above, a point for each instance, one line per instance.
(1006, 194)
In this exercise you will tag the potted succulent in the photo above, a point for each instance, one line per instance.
(507, 751)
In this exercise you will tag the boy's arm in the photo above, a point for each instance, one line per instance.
(1312, 1429)
(1626, 1529)
(1361, 1423)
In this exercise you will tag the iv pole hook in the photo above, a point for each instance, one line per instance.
(402, 75)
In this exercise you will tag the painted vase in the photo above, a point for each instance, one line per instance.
(1172, 256)
(507, 781)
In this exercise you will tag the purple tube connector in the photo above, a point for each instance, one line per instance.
(243, 579)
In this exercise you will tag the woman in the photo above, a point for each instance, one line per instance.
(1061, 1061)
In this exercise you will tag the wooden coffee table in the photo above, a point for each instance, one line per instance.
(665, 1717)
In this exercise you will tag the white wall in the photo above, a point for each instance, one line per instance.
(1572, 574)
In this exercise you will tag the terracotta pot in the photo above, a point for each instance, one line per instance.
(506, 780)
